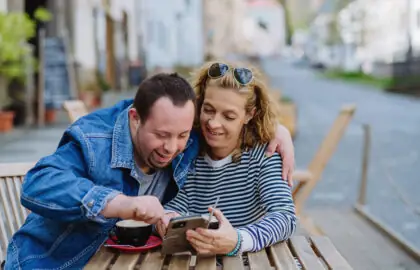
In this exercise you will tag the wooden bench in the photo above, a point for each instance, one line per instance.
(75, 109)
(311, 253)
(12, 213)
(307, 179)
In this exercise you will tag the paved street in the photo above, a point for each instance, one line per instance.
(394, 172)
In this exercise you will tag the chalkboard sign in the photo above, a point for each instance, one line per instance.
(57, 87)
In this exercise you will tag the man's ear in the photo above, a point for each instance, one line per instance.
(133, 115)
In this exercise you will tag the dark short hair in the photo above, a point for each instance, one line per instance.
(172, 86)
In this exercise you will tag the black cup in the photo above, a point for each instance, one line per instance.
(133, 233)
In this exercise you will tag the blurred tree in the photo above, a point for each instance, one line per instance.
(15, 29)
(287, 18)
(42, 14)
(334, 36)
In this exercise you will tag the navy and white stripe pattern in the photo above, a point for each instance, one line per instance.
(253, 196)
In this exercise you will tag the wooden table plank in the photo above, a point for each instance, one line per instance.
(206, 263)
(153, 261)
(101, 259)
(179, 262)
(126, 261)
(234, 263)
(332, 257)
(282, 257)
(259, 260)
(305, 253)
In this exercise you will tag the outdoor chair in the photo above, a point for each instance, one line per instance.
(307, 179)
(12, 213)
(75, 109)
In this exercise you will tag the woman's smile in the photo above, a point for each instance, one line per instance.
(212, 133)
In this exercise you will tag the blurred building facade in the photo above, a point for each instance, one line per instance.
(223, 27)
(264, 28)
(104, 39)
(3, 5)
(245, 27)
(364, 35)
(101, 33)
(381, 31)
(171, 32)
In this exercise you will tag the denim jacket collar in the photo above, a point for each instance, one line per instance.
(122, 145)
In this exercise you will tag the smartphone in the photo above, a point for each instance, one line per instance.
(175, 240)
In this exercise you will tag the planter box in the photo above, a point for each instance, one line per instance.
(288, 116)
(6, 121)
(50, 116)
(92, 100)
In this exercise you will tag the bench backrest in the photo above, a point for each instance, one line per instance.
(323, 155)
(12, 213)
(75, 109)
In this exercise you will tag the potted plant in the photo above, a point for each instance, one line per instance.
(91, 91)
(15, 29)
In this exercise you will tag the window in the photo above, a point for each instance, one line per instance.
(418, 19)
(161, 35)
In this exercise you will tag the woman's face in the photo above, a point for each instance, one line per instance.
(222, 117)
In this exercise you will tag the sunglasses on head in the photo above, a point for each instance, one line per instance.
(242, 75)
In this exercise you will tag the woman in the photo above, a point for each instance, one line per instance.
(237, 121)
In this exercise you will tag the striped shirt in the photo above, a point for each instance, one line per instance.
(253, 196)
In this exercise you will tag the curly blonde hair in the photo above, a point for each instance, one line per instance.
(261, 128)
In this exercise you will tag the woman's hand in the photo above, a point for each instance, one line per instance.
(283, 144)
(220, 241)
(162, 224)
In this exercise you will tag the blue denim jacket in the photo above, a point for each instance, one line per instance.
(67, 190)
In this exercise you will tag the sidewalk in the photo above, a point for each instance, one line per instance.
(29, 144)
(25, 144)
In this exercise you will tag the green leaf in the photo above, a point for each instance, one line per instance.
(15, 29)
(42, 14)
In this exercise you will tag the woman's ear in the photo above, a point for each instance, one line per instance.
(249, 116)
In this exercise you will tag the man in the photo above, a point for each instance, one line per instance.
(122, 162)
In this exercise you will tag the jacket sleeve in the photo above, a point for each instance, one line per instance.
(59, 187)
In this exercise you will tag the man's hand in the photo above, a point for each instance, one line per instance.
(162, 224)
(144, 208)
(283, 144)
(220, 241)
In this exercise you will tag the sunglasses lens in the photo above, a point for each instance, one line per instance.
(243, 75)
(217, 70)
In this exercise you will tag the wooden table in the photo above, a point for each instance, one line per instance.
(312, 253)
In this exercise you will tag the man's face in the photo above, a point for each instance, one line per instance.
(163, 135)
